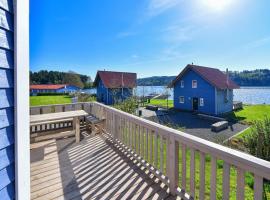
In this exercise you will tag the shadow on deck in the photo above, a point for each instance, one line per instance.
(91, 169)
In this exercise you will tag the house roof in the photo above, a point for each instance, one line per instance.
(116, 79)
(47, 86)
(212, 75)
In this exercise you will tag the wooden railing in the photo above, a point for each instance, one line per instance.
(158, 147)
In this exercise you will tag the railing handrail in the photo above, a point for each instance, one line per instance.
(237, 158)
(62, 104)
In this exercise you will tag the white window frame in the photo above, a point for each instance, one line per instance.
(182, 84)
(181, 98)
(194, 85)
(201, 101)
(21, 90)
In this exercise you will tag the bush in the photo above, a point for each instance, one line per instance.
(257, 141)
(51, 94)
(86, 97)
(129, 105)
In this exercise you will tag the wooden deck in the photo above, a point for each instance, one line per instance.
(91, 169)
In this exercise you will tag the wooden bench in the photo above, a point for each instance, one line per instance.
(152, 107)
(94, 124)
(218, 126)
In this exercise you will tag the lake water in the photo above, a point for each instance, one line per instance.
(248, 95)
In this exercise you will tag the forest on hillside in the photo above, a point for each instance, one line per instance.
(55, 77)
(259, 77)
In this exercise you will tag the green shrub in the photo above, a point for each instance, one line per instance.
(129, 105)
(51, 94)
(86, 97)
(257, 141)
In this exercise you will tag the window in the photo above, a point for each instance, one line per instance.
(201, 102)
(182, 84)
(194, 83)
(181, 99)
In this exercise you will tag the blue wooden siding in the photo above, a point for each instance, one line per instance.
(7, 157)
(68, 89)
(204, 90)
(224, 101)
(111, 96)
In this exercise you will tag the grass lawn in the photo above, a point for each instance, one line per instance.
(249, 113)
(46, 100)
(161, 102)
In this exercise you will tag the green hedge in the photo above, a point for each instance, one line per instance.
(51, 94)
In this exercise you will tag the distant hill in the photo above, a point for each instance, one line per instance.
(258, 77)
(155, 80)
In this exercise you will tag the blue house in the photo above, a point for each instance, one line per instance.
(52, 88)
(114, 87)
(203, 89)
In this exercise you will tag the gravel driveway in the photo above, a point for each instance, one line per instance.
(192, 124)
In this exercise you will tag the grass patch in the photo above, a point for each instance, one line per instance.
(47, 100)
(249, 113)
(161, 102)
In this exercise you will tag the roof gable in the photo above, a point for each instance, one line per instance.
(213, 76)
(116, 79)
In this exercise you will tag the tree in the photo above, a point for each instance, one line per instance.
(73, 79)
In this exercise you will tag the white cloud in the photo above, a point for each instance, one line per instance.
(178, 33)
(157, 7)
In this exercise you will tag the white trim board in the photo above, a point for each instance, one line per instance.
(21, 90)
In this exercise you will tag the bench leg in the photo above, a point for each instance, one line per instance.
(76, 122)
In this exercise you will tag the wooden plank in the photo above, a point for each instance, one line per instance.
(142, 139)
(57, 116)
(6, 20)
(6, 137)
(7, 176)
(7, 5)
(53, 136)
(6, 40)
(213, 181)
(6, 59)
(240, 195)
(156, 149)
(258, 187)
(161, 153)
(6, 98)
(59, 108)
(202, 176)
(151, 146)
(226, 181)
(192, 172)
(173, 171)
(147, 145)
(76, 121)
(184, 165)
(35, 111)
(68, 107)
(6, 78)
(6, 117)
(46, 109)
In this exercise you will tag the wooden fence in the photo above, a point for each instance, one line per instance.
(150, 142)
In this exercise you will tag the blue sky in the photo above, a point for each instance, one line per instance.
(150, 37)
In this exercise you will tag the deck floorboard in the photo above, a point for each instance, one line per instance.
(91, 169)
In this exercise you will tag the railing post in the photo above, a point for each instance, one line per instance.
(173, 164)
